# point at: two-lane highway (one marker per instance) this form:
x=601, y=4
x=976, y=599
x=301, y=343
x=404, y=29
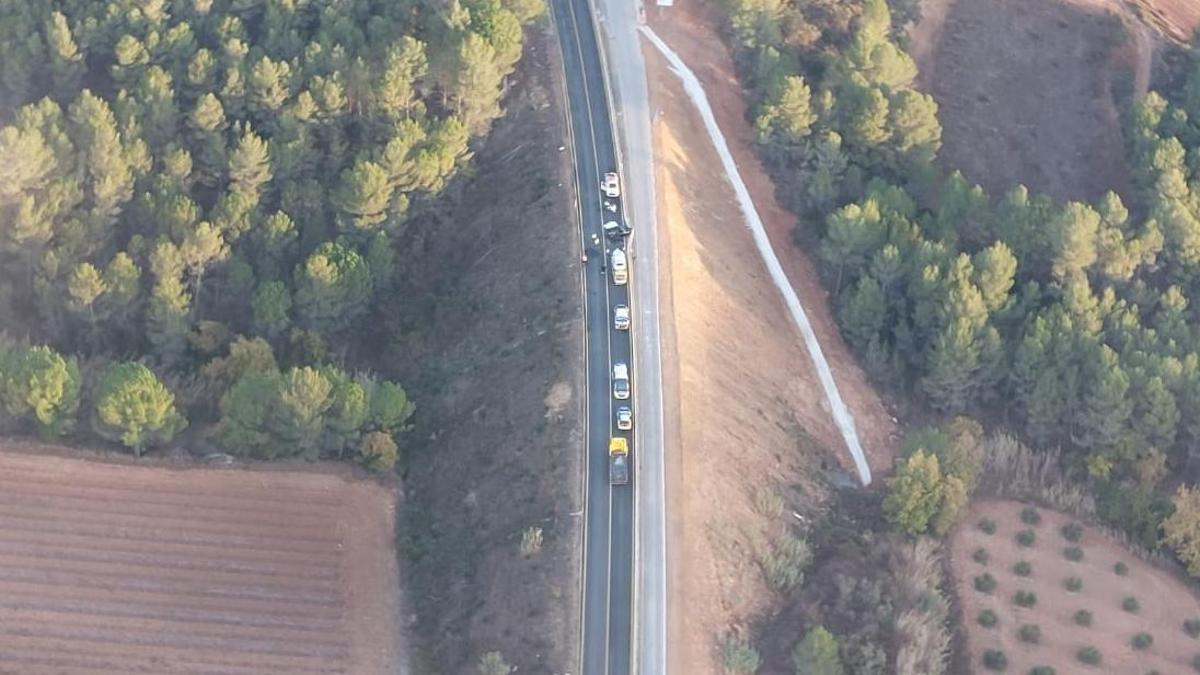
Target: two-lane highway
x=609, y=527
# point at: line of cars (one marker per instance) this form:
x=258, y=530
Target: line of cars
x=616, y=237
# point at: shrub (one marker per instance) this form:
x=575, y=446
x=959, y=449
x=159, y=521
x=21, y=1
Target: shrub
x=1131, y=605
x=1073, y=553
x=994, y=659
x=1073, y=584
x=1030, y=516
x=1142, y=641
x=1026, y=538
x=1025, y=599
x=1072, y=532
x=981, y=556
x=1089, y=655
x=531, y=541
x=738, y=656
x=1042, y=670
x=785, y=562
x=987, y=526
x=1192, y=628
x=1121, y=569
x=1023, y=569
x=1083, y=618
x=1030, y=633
x=987, y=618
x=985, y=583
x=492, y=663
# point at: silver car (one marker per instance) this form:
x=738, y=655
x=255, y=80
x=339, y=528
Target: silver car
x=621, y=317
x=624, y=418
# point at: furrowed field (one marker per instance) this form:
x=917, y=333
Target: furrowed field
x=121, y=568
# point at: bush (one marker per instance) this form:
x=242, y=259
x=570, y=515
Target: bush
x=987, y=526
x=785, y=562
x=985, y=583
x=1083, y=618
x=1089, y=655
x=1030, y=633
x=1026, y=538
x=1121, y=569
x=1072, y=532
x=738, y=656
x=994, y=659
x=981, y=556
x=1192, y=628
x=1042, y=670
x=1023, y=569
x=531, y=541
x=1073, y=553
x=1025, y=599
x=987, y=618
x=492, y=663
x=1030, y=516
x=1142, y=641
x=1131, y=605
x=1073, y=584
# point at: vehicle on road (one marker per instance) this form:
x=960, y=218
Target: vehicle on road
x=621, y=317
x=611, y=185
x=620, y=382
x=618, y=460
x=615, y=230
x=624, y=418
x=620, y=267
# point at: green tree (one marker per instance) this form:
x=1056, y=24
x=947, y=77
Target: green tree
x=863, y=313
x=268, y=88
x=133, y=406
x=272, y=306
x=390, y=407
x=363, y=196
x=817, y=654
x=378, y=452
x=109, y=176
x=995, y=269
x=920, y=498
x=66, y=61
x=916, y=132
x=249, y=167
x=41, y=384
x=1182, y=528
x=787, y=113
x=476, y=88
x=332, y=287
x=1073, y=237
x=395, y=94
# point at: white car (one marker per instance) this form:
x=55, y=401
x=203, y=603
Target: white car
x=621, y=317
x=624, y=418
x=620, y=381
x=611, y=186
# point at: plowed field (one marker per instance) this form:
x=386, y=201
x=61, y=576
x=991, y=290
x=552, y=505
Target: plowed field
x=108, y=568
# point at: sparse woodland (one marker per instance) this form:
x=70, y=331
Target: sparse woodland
x=201, y=203
x=1074, y=325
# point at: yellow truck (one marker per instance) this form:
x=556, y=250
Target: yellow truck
x=618, y=460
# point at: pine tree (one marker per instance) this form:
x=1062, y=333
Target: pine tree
x=363, y=195
x=249, y=167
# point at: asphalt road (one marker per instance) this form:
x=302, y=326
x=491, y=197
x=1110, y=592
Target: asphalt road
x=609, y=510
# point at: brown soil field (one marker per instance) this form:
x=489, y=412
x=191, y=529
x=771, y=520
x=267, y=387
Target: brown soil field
x=1165, y=601
x=486, y=334
x=115, y=567
x=750, y=414
x=1025, y=90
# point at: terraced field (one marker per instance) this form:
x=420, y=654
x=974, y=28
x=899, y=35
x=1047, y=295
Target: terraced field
x=119, y=568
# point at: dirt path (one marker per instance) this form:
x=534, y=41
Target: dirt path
x=750, y=413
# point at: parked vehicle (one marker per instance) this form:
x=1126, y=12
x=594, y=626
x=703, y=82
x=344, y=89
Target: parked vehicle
x=624, y=418
x=621, y=317
x=615, y=230
x=611, y=185
x=618, y=460
x=620, y=381
x=620, y=268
